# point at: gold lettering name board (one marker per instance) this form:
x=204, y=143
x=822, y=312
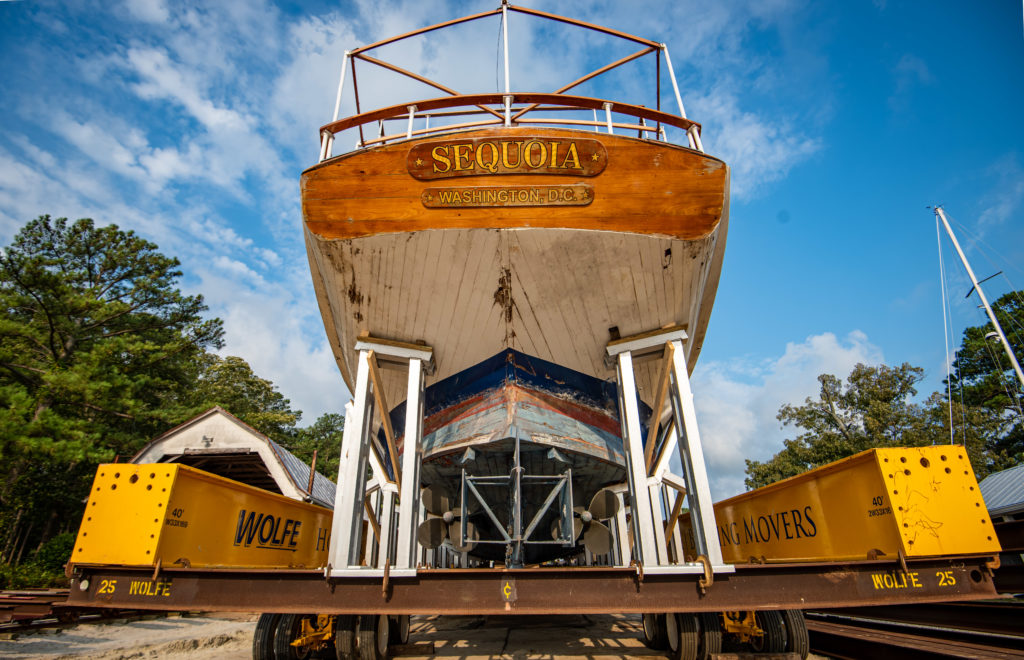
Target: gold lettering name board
x=578, y=194
x=487, y=156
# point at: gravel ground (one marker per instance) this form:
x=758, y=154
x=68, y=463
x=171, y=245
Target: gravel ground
x=229, y=637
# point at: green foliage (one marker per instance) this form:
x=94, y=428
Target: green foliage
x=324, y=436
x=94, y=340
x=872, y=409
x=984, y=380
x=97, y=349
x=231, y=384
x=30, y=576
x=54, y=553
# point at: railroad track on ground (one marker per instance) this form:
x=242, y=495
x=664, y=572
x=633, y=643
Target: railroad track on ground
x=990, y=629
x=32, y=609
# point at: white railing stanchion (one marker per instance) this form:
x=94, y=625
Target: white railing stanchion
x=672, y=77
x=412, y=118
x=694, y=136
x=341, y=86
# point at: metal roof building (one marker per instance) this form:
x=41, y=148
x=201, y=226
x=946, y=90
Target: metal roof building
x=218, y=442
x=1004, y=493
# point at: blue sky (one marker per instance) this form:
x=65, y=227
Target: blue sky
x=191, y=122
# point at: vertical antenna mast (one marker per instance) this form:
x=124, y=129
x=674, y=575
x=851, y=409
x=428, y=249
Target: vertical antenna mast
x=974, y=280
x=504, y=39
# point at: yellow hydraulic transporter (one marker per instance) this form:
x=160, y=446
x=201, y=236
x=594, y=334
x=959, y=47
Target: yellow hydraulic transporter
x=919, y=502
x=172, y=515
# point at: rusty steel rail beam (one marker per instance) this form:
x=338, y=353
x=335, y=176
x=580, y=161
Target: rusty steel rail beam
x=16, y=605
x=535, y=591
x=1002, y=617
x=854, y=639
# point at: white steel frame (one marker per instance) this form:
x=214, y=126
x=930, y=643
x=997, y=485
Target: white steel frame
x=647, y=478
x=357, y=454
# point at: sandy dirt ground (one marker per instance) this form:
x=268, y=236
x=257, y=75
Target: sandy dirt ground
x=229, y=636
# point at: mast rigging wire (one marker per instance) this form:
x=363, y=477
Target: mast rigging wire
x=946, y=330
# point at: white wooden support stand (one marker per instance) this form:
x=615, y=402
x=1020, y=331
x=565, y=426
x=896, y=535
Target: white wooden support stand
x=650, y=544
x=644, y=544
x=347, y=528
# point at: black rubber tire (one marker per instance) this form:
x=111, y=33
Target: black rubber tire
x=710, y=635
x=374, y=636
x=263, y=638
x=797, y=639
x=654, y=632
x=345, y=636
x=289, y=626
x=398, y=631
x=689, y=635
x=774, y=640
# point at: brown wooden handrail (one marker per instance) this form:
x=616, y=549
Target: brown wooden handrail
x=401, y=111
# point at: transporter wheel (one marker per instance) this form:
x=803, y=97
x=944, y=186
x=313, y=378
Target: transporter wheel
x=398, y=632
x=693, y=636
x=289, y=628
x=263, y=638
x=345, y=636
x=654, y=632
x=688, y=636
x=797, y=640
x=710, y=641
x=374, y=634
x=774, y=639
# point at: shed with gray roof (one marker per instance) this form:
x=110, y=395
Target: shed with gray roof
x=218, y=442
x=1004, y=493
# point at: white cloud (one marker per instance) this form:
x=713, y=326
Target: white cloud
x=737, y=401
x=759, y=151
x=1006, y=198
x=163, y=79
x=149, y=11
x=278, y=331
x=909, y=72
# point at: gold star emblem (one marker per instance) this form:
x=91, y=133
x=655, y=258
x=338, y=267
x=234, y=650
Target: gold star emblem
x=428, y=197
x=594, y=157
x=419, y=162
